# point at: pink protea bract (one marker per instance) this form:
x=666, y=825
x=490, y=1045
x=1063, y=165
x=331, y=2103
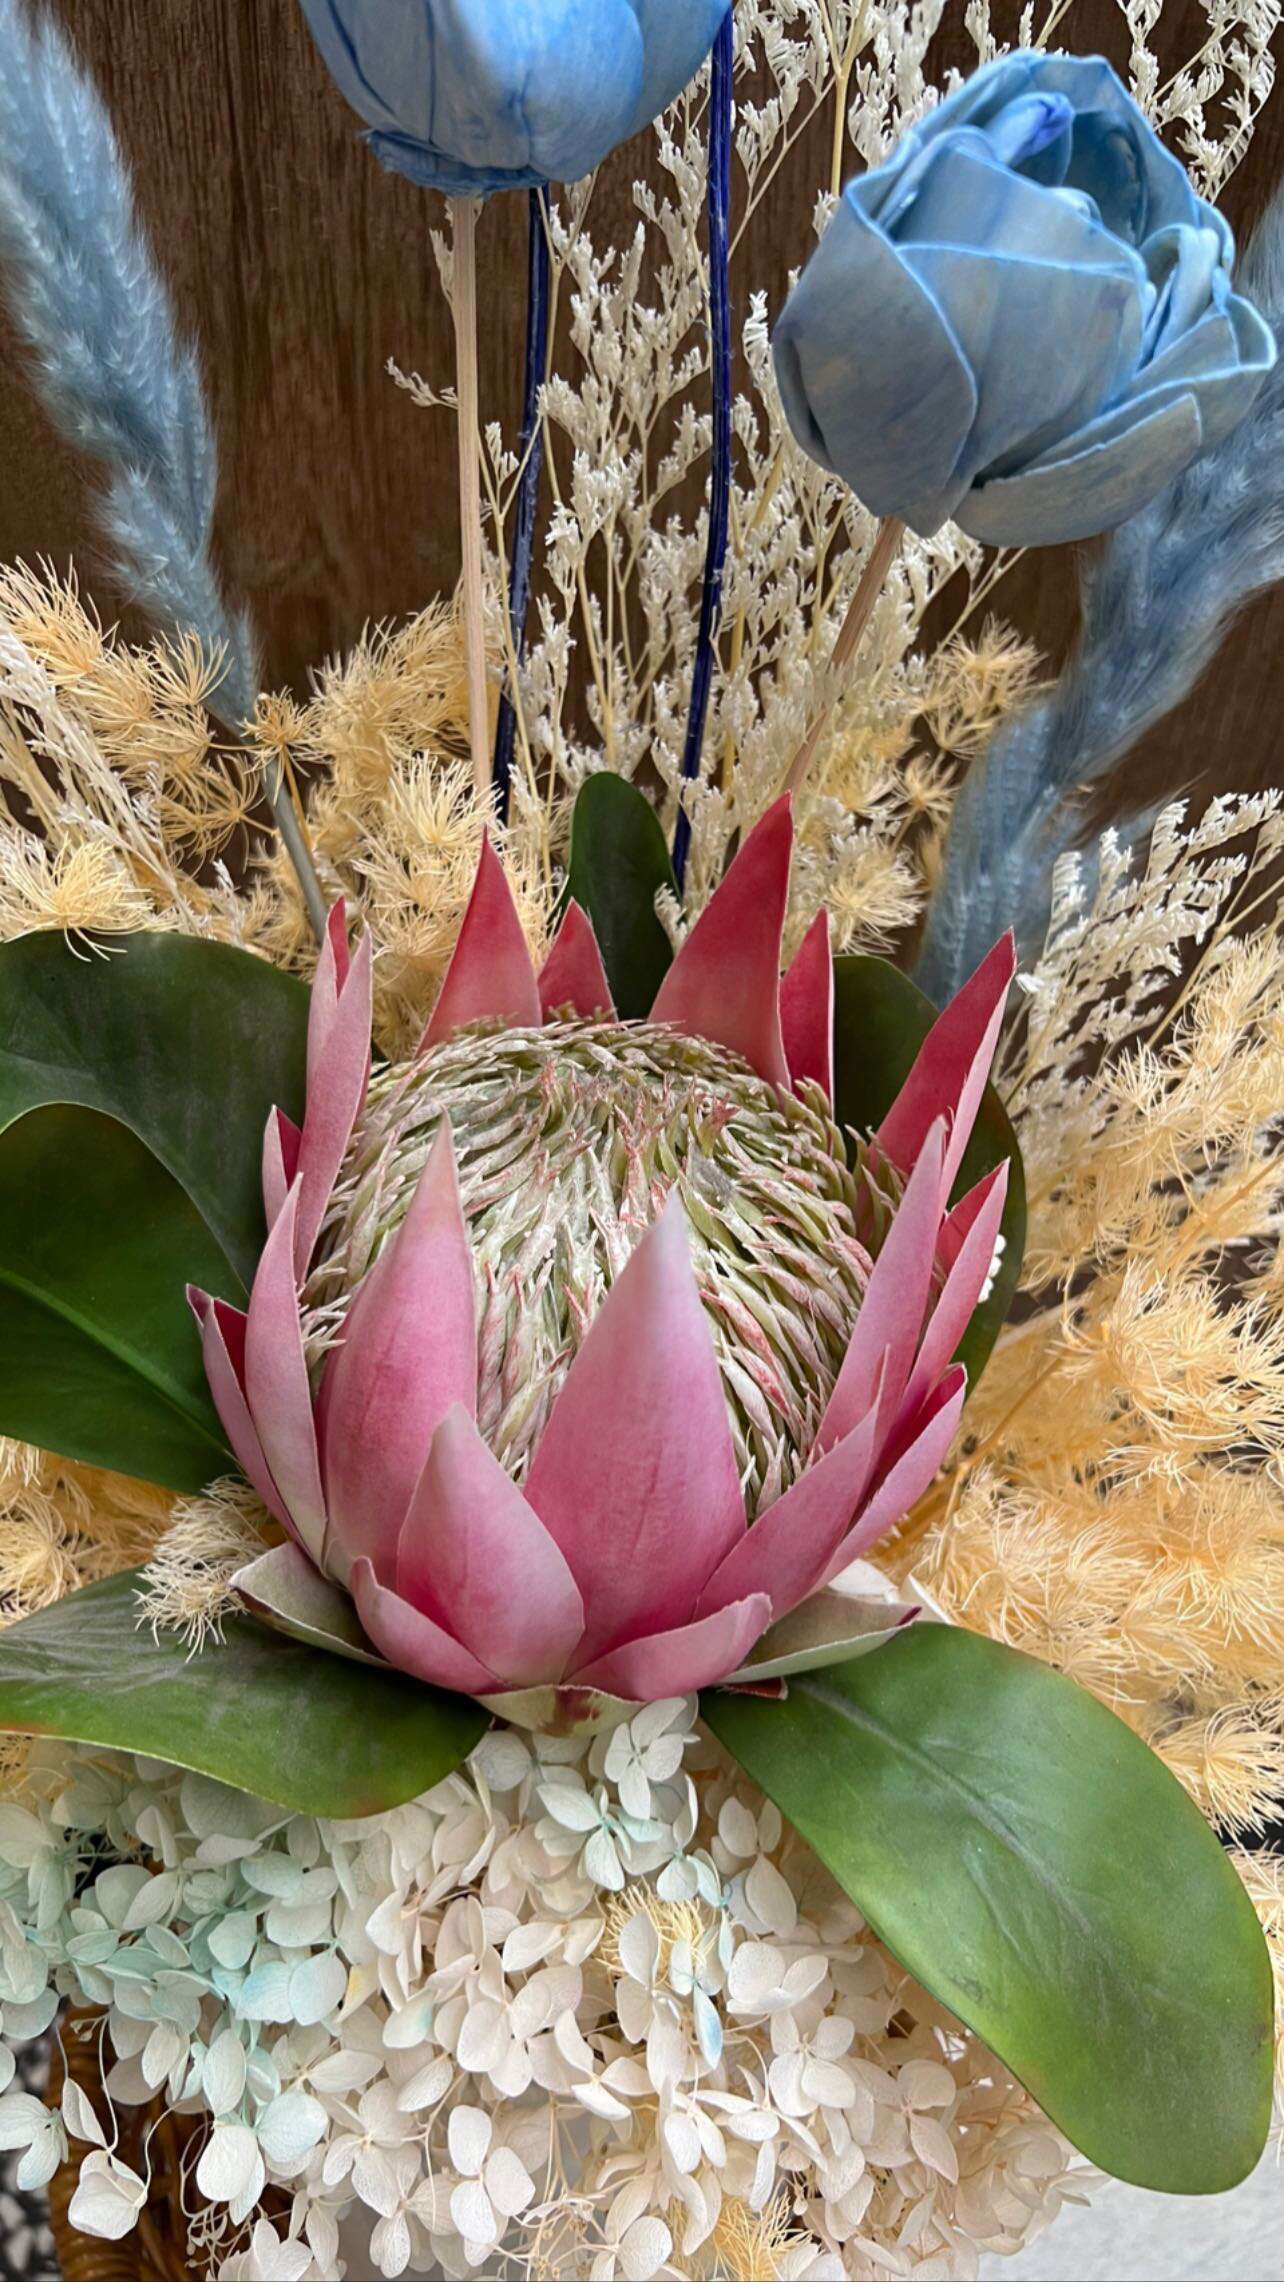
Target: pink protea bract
x=566, y=1359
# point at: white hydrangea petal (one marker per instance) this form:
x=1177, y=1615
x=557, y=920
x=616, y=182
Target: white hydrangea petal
x=933, y=2146
x=635, y=1790
x=571, y=1807
x=468, y=2136
x=78, y=2115
x=644, y=2249
x=22, y=2118
x=289, y=2128
x=107, y=2199
x=771, y=1898
x=471, y=2212
x=508, y=2182
x=639, y=1948
x=223, y=2073
x=602, y=1863
x=926, y=2084
x=231, y=2165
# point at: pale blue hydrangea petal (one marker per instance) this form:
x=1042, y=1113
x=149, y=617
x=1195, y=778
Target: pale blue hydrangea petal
x=708, y=2025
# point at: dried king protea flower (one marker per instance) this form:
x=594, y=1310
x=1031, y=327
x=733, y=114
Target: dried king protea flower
x=566, y=1358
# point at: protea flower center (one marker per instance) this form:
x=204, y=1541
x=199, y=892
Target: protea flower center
x=569, y=1139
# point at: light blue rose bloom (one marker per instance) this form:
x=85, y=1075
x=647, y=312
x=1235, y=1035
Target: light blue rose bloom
x=475, y=96
x=1023, y=319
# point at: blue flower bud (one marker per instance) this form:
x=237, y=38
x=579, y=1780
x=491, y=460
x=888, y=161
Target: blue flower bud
x=1023, y=320
x=475, y=96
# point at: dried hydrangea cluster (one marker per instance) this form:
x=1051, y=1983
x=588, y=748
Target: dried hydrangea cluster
x=588, y=2008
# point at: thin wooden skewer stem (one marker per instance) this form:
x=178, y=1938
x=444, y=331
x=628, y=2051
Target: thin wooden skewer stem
x=463, y=216
x=882, y=555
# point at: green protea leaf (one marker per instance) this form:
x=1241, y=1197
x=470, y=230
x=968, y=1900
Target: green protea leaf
x=618, y=863
x=189, y=1044
x=135, y=1084
x=99, y=1359
x=1030, y=1861
x=287, y=1722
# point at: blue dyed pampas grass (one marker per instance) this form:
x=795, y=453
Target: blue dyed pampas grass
x=1155, y=603
x=112, y=371
x=113, y=374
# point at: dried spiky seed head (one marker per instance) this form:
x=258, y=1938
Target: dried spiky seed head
x=569, y=1141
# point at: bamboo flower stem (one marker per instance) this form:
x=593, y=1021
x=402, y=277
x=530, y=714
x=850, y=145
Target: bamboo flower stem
x=882, y=555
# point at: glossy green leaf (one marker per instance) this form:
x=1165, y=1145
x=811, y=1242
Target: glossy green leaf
x=284, y=1721
x=1037, y=1868
x=880, y=1020
x=99, y=1357
x=189, y=1044
x=619, y=860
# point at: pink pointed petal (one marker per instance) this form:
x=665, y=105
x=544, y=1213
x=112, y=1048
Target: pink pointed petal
x=276, y=1382
x=787, y=1549
x=958, y=1222
x=408, y=1350
x=223, y=1354
x=725, y=982
x=690, y=1656
x=962, y=1288
x=890, y=1323
x=336, y=1092
x=953, y=1065
x=281, y=1143
x=635, y=1476
x=413, y=1642
x=807, y=1009
x=331, y=975
x=491, y=977
x=935, y=1429
x=573, y=974
x=477, y=1559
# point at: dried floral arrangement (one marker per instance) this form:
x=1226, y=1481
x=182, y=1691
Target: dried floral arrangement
x=461, y=1753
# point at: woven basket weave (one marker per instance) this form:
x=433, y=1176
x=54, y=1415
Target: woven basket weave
x=157, y=2251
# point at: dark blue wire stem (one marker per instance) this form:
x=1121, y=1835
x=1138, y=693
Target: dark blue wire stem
x=721, y=121
x=532, y=458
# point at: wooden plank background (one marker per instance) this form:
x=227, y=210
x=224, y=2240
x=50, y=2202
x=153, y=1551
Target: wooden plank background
x=301, y=266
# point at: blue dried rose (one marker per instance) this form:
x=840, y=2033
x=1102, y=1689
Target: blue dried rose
x=1024, y=319
x=475, y=96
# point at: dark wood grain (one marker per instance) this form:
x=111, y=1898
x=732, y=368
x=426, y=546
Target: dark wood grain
x=301, y=267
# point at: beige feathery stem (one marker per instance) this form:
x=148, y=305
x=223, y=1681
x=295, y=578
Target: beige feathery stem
x=289, y=823
x=463, y=217
x=882, y=555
